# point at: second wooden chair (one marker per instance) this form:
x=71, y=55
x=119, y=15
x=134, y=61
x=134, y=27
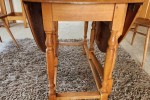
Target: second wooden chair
x=145, y=23
x=2, y=17
x=143, y=20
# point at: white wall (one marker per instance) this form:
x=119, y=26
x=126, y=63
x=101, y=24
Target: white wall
x=16, y=3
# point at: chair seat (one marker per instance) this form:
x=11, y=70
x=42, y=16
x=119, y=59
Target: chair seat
x=2, y=15
x=143, y=22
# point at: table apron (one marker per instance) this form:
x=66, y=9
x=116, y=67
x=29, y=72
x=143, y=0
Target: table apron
x=74, y=12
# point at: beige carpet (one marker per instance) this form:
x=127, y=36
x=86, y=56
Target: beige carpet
x=23, y=74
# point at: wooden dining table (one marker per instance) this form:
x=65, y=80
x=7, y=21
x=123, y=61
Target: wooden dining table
x=43, y=16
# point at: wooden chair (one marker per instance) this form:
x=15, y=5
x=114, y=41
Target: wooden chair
x=2, y=17
x=13, y=16
x=145, y=23
x=143, y=20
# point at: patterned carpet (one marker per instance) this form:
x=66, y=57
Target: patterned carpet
x=23, y=73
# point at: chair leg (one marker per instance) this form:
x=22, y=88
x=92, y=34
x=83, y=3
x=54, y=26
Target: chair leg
x=55, y=37
x=0, y=39
x=134, y=33
x=8, y=30
x=146, y=47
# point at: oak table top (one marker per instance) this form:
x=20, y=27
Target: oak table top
x=87, y=1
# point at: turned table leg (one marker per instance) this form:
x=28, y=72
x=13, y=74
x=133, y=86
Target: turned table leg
x=50, y=64
x=50, y=47
x=117, y=28
x=55, y=44
x=109, y=64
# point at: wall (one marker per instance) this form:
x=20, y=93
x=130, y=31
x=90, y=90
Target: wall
x=17, y=6
x=16, y=3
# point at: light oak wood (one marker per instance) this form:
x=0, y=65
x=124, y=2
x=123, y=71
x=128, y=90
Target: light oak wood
x=144, y=11
x=55, y=45
x=87, y=1
x=71, y=43
x=48, y=27
x=117, y=27
x=84, y=10
x=78, y=95
x=15, y=16
x=148, y=14
x=98, y=65
x=94, y=70
x=92, y=38
x=69, y=12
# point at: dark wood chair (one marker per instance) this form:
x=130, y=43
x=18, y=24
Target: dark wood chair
x=2, y=17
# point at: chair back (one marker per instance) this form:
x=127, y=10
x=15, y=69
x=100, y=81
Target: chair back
x=145, y=12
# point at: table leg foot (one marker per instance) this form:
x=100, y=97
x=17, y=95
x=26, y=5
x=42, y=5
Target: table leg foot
x=110, y=83
x=52, y=97
x=104, y=96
